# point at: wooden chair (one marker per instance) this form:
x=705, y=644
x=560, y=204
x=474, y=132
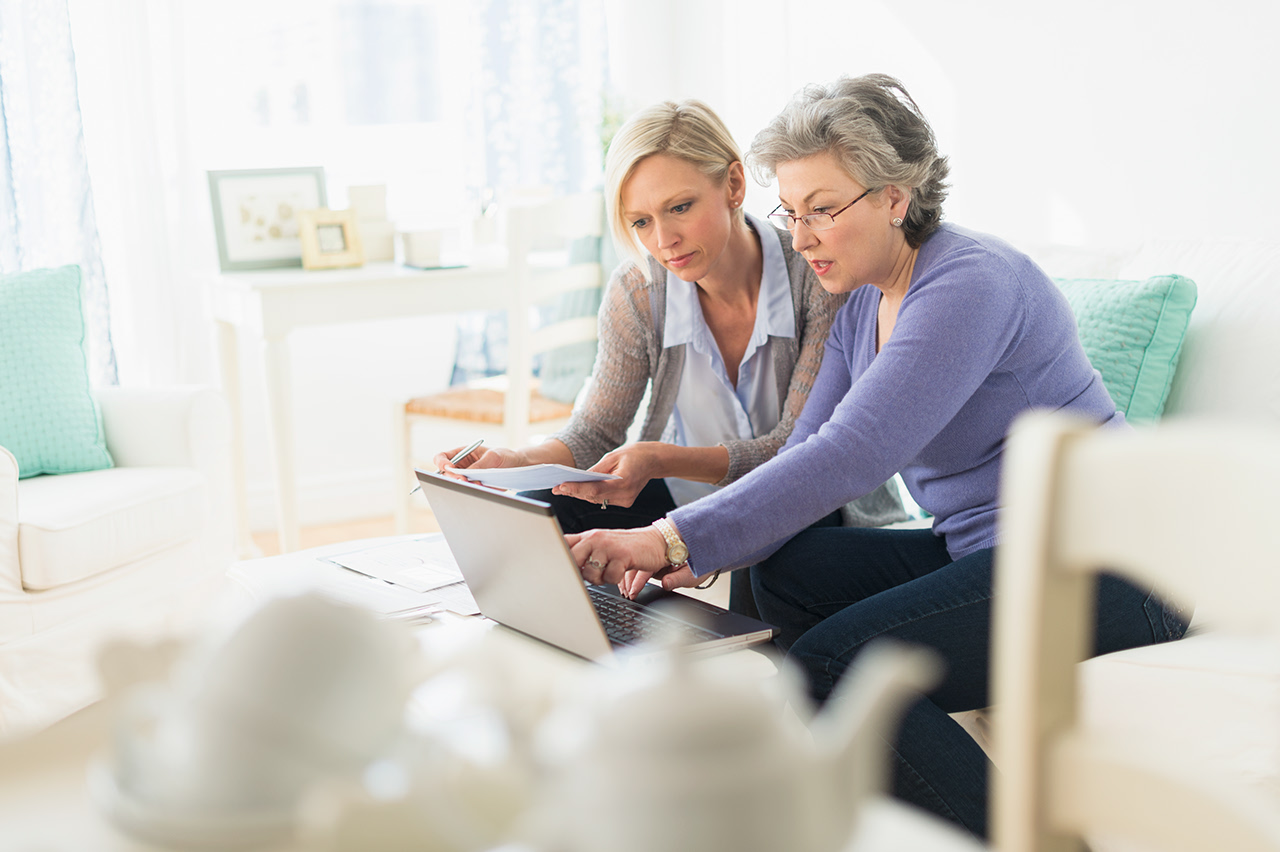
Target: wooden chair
x=509, y=410
x=1078, y=500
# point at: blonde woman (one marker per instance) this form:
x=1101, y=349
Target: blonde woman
x=713, y=308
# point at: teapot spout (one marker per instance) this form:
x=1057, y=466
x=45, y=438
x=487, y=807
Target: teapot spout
x=860, y=718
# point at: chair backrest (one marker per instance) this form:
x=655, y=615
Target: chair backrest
x=540, y=242
x=1076, y=501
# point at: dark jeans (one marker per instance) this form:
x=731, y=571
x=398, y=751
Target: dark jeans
x=832, y=590
x=575, y=516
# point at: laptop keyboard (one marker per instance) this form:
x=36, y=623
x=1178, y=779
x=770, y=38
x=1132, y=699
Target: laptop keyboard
x=629, y=623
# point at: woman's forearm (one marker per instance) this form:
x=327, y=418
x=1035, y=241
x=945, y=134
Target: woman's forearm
x=550, y=451
x=699, y=464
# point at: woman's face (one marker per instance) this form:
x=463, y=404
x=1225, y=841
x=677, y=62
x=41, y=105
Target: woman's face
x=682, y=216
x=863, y=246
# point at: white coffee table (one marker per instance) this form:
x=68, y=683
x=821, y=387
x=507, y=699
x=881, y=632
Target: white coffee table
x=45, y=802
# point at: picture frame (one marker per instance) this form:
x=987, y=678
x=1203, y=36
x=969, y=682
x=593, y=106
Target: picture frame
x=330, y=239
x=255, y=214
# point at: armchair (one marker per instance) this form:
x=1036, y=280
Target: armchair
x=128, y=550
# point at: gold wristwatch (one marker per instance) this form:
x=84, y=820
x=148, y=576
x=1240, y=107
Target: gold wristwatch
x=677, y=552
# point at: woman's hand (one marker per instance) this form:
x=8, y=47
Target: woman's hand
x=635, y=463
x=481, y=457
x=627, y=558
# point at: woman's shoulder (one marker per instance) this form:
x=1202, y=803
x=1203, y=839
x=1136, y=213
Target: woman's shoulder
x=631, y=276
x=632, y=286
x=954, y=244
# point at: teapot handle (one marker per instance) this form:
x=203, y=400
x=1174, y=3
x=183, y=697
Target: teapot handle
x=863, y=713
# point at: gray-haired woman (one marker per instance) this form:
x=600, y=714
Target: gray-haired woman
x=948, y=335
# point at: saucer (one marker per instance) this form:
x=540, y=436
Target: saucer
x=191, y=829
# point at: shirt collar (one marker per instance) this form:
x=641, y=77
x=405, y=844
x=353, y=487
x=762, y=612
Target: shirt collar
x=775, y=311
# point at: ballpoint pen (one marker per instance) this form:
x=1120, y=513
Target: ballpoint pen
x=462, y=455
x=457, y=458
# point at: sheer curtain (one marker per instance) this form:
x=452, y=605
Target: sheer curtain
x=46, y=205
x=537, y=110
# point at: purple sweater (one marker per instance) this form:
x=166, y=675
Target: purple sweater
x=982, y=335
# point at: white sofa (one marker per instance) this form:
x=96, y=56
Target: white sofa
x=1218, y=697
x=127, y=551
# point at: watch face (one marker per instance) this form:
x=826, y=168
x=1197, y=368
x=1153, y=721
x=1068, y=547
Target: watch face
x=677, y=553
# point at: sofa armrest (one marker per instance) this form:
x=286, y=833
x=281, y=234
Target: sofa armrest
x=174, y=427
x=10, y=575
x=169, y=427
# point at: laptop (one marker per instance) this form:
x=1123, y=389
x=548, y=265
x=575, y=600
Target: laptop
x=518, y=567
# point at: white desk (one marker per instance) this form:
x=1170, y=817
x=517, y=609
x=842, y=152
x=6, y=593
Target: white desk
x=45, y=800
x=266, y=306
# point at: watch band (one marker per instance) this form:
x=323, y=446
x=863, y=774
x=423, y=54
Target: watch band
x=677, y=550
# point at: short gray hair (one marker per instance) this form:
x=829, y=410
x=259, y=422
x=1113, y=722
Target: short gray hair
x=875, y=131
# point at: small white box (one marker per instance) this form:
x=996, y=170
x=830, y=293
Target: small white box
x=369, y=202
x=421, y=248
x=379, y=239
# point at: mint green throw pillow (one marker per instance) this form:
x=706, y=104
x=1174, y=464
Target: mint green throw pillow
x=1132, y=332
x=48, y=419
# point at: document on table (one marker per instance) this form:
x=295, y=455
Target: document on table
x=421, y=570
x=531, y=477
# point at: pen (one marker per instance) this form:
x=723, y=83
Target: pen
x=462, y=455
x=459, y=457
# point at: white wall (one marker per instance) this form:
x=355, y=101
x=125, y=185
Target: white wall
x=1093, y=124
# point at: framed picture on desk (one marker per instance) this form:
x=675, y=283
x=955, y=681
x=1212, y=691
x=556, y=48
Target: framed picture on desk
x=255, y=214
x=330, y=239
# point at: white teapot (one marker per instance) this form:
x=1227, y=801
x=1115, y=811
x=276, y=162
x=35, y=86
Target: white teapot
x=684, y=757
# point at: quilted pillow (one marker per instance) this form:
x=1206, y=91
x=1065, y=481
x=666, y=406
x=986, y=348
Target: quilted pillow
x=48, y=419
x=1132, y=332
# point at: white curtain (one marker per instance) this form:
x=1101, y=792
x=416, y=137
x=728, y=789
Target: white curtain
x=46, y=204
x=129, y=56
x=537, y=115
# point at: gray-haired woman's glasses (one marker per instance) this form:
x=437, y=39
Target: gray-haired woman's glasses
x=812, y=221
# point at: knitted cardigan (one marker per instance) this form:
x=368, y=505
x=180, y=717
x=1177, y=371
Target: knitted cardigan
x=632, y=319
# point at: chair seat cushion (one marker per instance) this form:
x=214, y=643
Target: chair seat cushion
x=77, y=525
x=479, y=403
x=1215, y=696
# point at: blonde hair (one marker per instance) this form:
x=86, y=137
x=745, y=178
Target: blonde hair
x=689, y=130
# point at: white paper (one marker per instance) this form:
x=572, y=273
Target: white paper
x=419, y=565
x=418, y=577
x=532, y=477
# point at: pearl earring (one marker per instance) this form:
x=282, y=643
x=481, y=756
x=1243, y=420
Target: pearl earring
x=897, y=222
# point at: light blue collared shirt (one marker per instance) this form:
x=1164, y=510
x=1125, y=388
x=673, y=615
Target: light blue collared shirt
x=709, y=409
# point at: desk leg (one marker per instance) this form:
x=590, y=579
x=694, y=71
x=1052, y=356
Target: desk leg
x=229, y=357
x=275, y=355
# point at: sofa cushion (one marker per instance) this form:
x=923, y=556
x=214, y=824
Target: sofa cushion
x=1132, y=332
x=48, y=419
x=1214, y=697
x=1230, y=364
x=83, y=524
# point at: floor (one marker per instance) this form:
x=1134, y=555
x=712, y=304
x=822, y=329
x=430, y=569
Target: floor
x=420, y=521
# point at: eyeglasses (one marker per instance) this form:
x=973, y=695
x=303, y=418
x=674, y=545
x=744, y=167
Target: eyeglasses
x=812, y=221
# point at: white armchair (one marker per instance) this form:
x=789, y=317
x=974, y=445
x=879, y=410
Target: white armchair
x=127, y=551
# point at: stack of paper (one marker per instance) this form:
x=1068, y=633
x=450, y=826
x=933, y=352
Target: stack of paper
x=532, y=477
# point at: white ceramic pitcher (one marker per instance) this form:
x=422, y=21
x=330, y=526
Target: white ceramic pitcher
x=690, y=759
